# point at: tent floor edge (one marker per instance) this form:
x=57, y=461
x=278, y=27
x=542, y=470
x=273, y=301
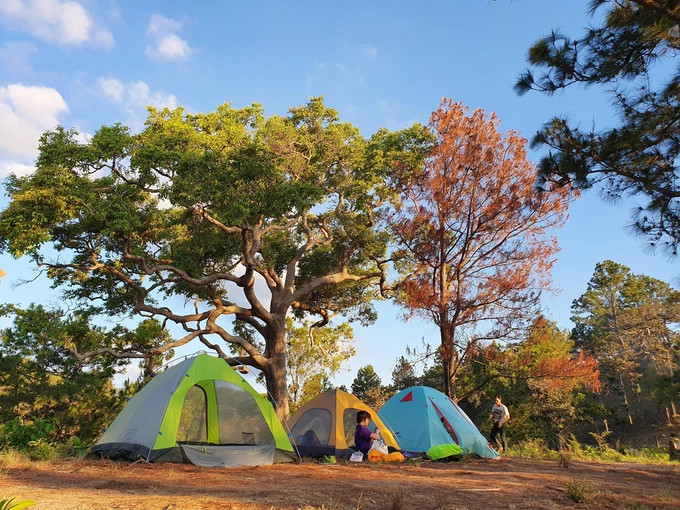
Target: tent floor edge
x=119, y=451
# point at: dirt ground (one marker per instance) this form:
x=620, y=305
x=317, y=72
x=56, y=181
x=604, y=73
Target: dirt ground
x=508, y=483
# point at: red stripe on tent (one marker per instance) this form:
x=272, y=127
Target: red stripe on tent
x=408, y=398
x=453, y=431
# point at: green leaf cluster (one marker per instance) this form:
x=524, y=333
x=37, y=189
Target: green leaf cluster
x=629, y=322
x=41, y=380
x=631, y=54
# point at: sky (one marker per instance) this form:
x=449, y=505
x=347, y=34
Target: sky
x=87, y=63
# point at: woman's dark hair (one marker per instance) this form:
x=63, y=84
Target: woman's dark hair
x=362, y=415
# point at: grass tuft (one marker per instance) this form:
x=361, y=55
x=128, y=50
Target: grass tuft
x=580, y=491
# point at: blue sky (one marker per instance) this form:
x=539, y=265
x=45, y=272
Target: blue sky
x=83, y=64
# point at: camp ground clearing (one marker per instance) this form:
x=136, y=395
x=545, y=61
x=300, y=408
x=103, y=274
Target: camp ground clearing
x=509, y=483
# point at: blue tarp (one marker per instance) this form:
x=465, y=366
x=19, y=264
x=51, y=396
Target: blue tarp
x=420, y=416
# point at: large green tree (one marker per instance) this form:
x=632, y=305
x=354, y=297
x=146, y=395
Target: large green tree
x=628, y=323
x=632, y=55
x=236, y=214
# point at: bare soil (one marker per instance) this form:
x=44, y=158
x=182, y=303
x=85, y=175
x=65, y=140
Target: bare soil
x=508, y=483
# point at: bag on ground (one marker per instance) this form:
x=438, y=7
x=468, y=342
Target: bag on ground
x=445, y=452
x=394, y=457
x=375, y=455
x=379, y=446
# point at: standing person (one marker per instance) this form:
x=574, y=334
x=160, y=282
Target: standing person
x=363, y=435
x=499, y=415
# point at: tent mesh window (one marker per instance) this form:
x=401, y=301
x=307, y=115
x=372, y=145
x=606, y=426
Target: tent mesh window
x=240, y=419
x=193, y=426
x=313, y=428
x=349, y=421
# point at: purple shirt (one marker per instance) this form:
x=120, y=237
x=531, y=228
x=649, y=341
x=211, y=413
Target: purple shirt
x=362, y=438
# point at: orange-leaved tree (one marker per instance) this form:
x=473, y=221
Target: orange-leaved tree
x=475, y=237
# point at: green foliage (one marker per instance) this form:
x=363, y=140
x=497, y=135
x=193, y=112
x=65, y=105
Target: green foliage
x=631, y=54
x=629, y=322
x=365, y=380
x=14, y=504
x=315, y=355
x=35, y=438
x=41, y=378
x=19, y=434
x=79, y=447
x=532, y=449
x=403, y=375
x=368, y=388
x=41, y=450
x=198, y=204
x=542, y=379
x=580, y=491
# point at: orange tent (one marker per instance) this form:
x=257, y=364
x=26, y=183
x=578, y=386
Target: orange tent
x=326, y=425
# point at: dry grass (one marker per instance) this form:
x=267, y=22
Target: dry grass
x=520, y=484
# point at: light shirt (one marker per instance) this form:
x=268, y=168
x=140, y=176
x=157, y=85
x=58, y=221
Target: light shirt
x=500, y=413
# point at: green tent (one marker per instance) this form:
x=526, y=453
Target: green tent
x=199, y=411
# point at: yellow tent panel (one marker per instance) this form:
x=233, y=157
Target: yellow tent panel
x=326, y=425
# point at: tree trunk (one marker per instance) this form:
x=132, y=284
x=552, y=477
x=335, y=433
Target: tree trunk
x=275, y=373
x=626, y=405
x=277, y=391
x=674, y=449
x=449, y=359
x=449, y=378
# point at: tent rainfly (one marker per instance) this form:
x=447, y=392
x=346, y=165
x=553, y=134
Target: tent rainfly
x=198, y=411
x=326, y=425
x=423, y=417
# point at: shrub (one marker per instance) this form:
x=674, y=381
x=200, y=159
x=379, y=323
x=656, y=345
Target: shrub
x=580, y=491
x=533, y=449
x=40, y=450
x=15, y=434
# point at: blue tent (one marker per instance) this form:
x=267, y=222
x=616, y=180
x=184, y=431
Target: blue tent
x=420, y=417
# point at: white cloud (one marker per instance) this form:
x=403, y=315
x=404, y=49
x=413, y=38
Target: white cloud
x=140, y=95
x=135, y=95
x=26, y=112
x=63, y=22
x=160, y=26
x=112, y=88
x=15, y=168
x=168, y=45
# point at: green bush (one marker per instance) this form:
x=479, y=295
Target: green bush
x=532, y=449
x=33, y=438
x=15, y=434
x=41, y=450
x=74, y=447
x=580, y=491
